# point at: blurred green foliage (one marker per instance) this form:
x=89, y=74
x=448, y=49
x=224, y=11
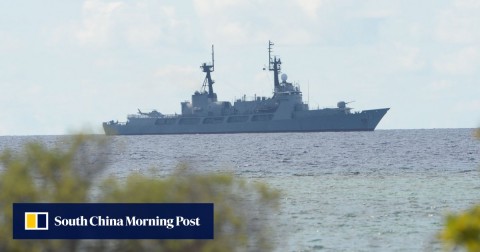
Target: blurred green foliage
x=67, y=173
x=462, y=230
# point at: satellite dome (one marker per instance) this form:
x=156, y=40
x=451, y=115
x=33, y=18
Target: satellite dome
x=284, y=77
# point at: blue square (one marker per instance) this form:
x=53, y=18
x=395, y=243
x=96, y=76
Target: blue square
x=41, y=221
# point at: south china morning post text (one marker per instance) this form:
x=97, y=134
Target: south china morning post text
x=106, y=221
x=113, y=221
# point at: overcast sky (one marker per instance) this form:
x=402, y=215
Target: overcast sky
x=67, y=65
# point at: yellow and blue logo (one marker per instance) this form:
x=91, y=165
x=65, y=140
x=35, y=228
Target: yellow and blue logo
x=36, y=220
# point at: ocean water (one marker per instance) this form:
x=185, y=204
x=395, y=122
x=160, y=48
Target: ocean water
x=387, y=190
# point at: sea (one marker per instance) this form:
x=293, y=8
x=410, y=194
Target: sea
x=386, y=190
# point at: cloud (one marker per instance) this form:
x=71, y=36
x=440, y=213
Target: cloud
x=8, y=42
x=459, y=24
x=409, y=57
x=179, y=77
x=471, y=105
x=254, y=22
x=440, y=85
x=311, y=7
x=150, y=24
x=467, y=4
x=300, y=22
x=213, y=6
x=465, y=61
x=140, y=24
x=98, y=21
x=229, y=21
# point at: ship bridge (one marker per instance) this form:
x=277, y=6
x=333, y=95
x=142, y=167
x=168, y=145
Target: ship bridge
x=285, y=87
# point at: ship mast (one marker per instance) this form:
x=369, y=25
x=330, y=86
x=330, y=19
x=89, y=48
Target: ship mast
x=208, y=78
x=274, y=65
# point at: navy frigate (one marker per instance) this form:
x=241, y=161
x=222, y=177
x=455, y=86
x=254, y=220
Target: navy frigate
x=285, y=111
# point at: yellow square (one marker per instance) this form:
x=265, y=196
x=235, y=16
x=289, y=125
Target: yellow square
x=31, y=220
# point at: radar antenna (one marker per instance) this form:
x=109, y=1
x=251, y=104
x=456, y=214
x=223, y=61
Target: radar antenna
x=207, y=68
x=274, y=65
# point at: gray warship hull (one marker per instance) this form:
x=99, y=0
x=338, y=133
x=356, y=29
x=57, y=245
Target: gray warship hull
x=285, y=111
x=312, y=121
